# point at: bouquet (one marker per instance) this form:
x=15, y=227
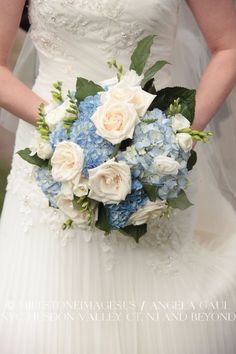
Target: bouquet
x=117, y=155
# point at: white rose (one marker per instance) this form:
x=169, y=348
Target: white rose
x=65, y=204
x=67, y=161
x=185, y=141
x=134, y=95
x=179, y=122
x=164, y=165
x=115, y=121
x=56, y=115
x=80, y=188
x=131, y=78
x=110, y=182
x=150, y=211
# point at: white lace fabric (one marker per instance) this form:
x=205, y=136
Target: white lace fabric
x=81, y=36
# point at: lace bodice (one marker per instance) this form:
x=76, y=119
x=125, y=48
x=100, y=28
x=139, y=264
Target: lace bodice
x=78, y=37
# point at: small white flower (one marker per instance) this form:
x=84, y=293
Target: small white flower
x=134, y=95
x=80, y=187
x=56, y=115
x=44, y=149
x=164, y=165
x=65, y=204
x=110, y=182
x=67, y=161
x=150, y=211
x=41, y=147
x=185, y=141
x=115, y=121
x=179, y=122
x=131, y=78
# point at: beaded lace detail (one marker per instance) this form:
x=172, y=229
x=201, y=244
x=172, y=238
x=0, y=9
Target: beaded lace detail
x=90, y=19
x=114, y=25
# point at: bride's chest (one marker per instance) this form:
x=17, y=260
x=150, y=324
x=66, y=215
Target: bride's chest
x=62, y=27
x=78, y=15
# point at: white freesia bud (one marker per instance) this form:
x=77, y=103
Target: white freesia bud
x=43, y=148
x=150, y=211
x=164, y=165
x=185, y=141
x=134, y=95
x=115, y=121
x=67, y=161
x=65, y=204
x=80, y=188
x=110, y=182
x=56, y=115
x=179, y=122
x=131, y=78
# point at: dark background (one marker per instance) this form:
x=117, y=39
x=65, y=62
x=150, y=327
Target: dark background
x=24, y=20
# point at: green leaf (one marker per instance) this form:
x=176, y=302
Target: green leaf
x=103, y=222
x=33, y=160
x=149, y=74
x=85, y=88
x=149, y=87
x=181, y=202
x=167, y=96
x=77, y=203
x=151, y=191
x=192, y=160
x=115, y=150
x=141, y=54
x=149, y=120
x=135, y=231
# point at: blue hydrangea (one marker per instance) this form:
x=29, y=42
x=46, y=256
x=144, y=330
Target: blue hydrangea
x=154, y=136
x=119, y=214
x=170, y=186
x=57, y=136
x=83, y=132
x=48, y=185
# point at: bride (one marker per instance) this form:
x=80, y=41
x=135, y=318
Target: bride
x=84, y=293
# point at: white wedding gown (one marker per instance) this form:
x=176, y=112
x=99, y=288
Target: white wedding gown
x=85, y=293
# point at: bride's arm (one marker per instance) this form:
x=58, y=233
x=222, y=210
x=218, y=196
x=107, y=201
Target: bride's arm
x=14, y=95
x=217, y=21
